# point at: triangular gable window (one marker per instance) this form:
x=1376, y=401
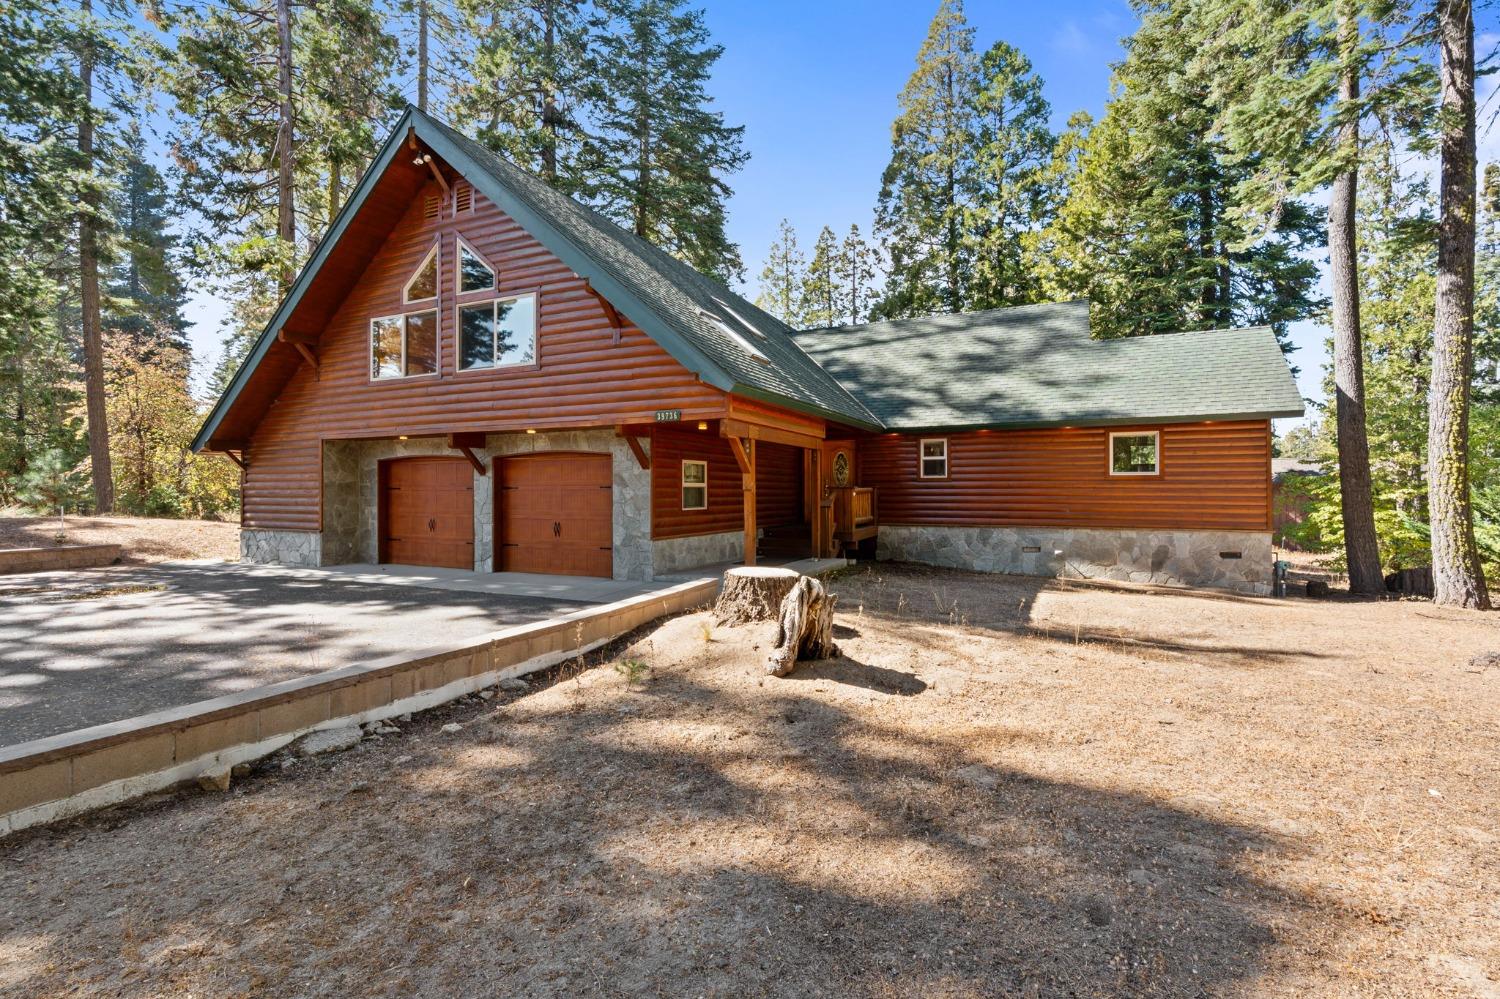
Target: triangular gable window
x=424, y=283
x=474, y=274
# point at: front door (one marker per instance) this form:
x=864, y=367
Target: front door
x=427, y=512
x=555, y=514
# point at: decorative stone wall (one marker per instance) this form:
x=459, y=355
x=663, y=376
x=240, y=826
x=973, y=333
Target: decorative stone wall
x=351, y=492
x=303, y=548
x=1170, y=558
x=676, y=554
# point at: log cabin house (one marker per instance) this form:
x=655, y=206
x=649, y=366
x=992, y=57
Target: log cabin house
x=476, y=371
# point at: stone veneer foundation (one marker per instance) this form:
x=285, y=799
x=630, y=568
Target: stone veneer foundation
x=1170, y=558
x=301, y=548
x=675, y=554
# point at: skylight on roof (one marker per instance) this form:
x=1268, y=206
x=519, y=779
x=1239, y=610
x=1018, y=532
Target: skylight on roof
x=741, y=319
x=744, y=344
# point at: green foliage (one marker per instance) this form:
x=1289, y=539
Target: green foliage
x=820, y=291
x=782, y=278
x=522, y=84
x=658, y=161
x=1152, y=230
x=52, y=483
x=635, y=671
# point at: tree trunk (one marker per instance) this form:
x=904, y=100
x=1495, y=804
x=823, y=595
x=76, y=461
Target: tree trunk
x=422, y=55
x=1457, y=578
x=286, y=221
x=805, y=628
x=1361, y=549
x=549, y=96
x=88, y=284
x=753, y=594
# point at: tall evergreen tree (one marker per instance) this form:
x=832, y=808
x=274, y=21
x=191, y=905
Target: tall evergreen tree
x=1150, y=231
x=525, y=89
x=1457, y=576
x=1297, y=79
x=856, y=269
x=929, y=187
x=782, y=277
x=821, y=293
x=1014, y=151
x=658, y=163
x=145, y=289
x=39, y=98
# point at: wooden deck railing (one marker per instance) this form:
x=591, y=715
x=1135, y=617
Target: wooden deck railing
x=855, y=513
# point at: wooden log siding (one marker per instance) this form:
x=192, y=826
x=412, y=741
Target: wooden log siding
x=778, y=484
x=1214, y=476
x=583, y=377
x=670, y=446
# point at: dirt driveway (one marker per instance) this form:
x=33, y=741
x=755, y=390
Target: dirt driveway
x=1002, y=788
x=84, y=648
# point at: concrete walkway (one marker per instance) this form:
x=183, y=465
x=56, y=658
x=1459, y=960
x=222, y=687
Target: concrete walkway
x=92, y=646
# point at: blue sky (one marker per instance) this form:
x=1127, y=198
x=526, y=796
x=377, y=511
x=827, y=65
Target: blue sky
x=815, y=83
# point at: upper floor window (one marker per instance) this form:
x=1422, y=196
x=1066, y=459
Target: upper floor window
x=424, y=282
x=401, y=346
x=933, y=461
x=497, y=333
x=474, y=274
x=1134, y=453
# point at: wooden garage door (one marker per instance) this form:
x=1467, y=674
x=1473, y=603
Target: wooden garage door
x=554, y=514
x=427, y=512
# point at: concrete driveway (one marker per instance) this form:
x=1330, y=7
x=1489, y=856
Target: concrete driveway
x=84, y=648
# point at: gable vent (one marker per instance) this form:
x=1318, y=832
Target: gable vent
x=463, y=198
x=432, y=207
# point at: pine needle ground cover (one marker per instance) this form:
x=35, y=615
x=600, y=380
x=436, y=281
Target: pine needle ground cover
x=1003, y=787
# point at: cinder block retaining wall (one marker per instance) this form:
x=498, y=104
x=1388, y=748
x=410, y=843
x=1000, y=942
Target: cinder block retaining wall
x=1231, y=560
x=65, y=775
x=62, y=557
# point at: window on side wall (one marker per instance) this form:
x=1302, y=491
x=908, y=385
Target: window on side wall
x=403, y=346
x=1135, y=453
x=695, y=485
x=933, y=461
x=497, y=334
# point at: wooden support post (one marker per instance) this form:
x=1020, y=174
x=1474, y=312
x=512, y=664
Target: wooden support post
x=634, y=440
x=465, y=443
x=749, y=480
x=610, y=313
x=815, y=513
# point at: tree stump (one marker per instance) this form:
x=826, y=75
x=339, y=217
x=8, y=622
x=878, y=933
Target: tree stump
x=753, y=593
x=805, y=628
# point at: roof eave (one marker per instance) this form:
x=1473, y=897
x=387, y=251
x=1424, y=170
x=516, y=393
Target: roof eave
x=304, y=280
x=1091, y=421
x=810, y=409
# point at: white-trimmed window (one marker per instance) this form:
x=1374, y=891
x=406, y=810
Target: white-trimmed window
x=932, y=461
x=695, y=485
x=403, y=346
x=473, y=271
x=499, y=333
x=424, y=280
x=1135, y=453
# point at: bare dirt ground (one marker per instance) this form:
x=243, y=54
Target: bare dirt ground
x=142, y=539
x=1003, y=787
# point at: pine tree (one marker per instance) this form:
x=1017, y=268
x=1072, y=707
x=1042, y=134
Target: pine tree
x=782, y=278
x=856, y=269
x=821, y=293
x=1014, y=152
x=524, y=89
x=145, y=290
x=929, y=187
x=1457, y=576
x=658, y=163
x=1150, y=231
x=1296, y=80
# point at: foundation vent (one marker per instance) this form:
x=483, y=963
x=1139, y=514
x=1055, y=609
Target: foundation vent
x=1229, y=554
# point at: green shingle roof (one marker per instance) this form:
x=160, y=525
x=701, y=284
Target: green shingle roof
x=1036, y=365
